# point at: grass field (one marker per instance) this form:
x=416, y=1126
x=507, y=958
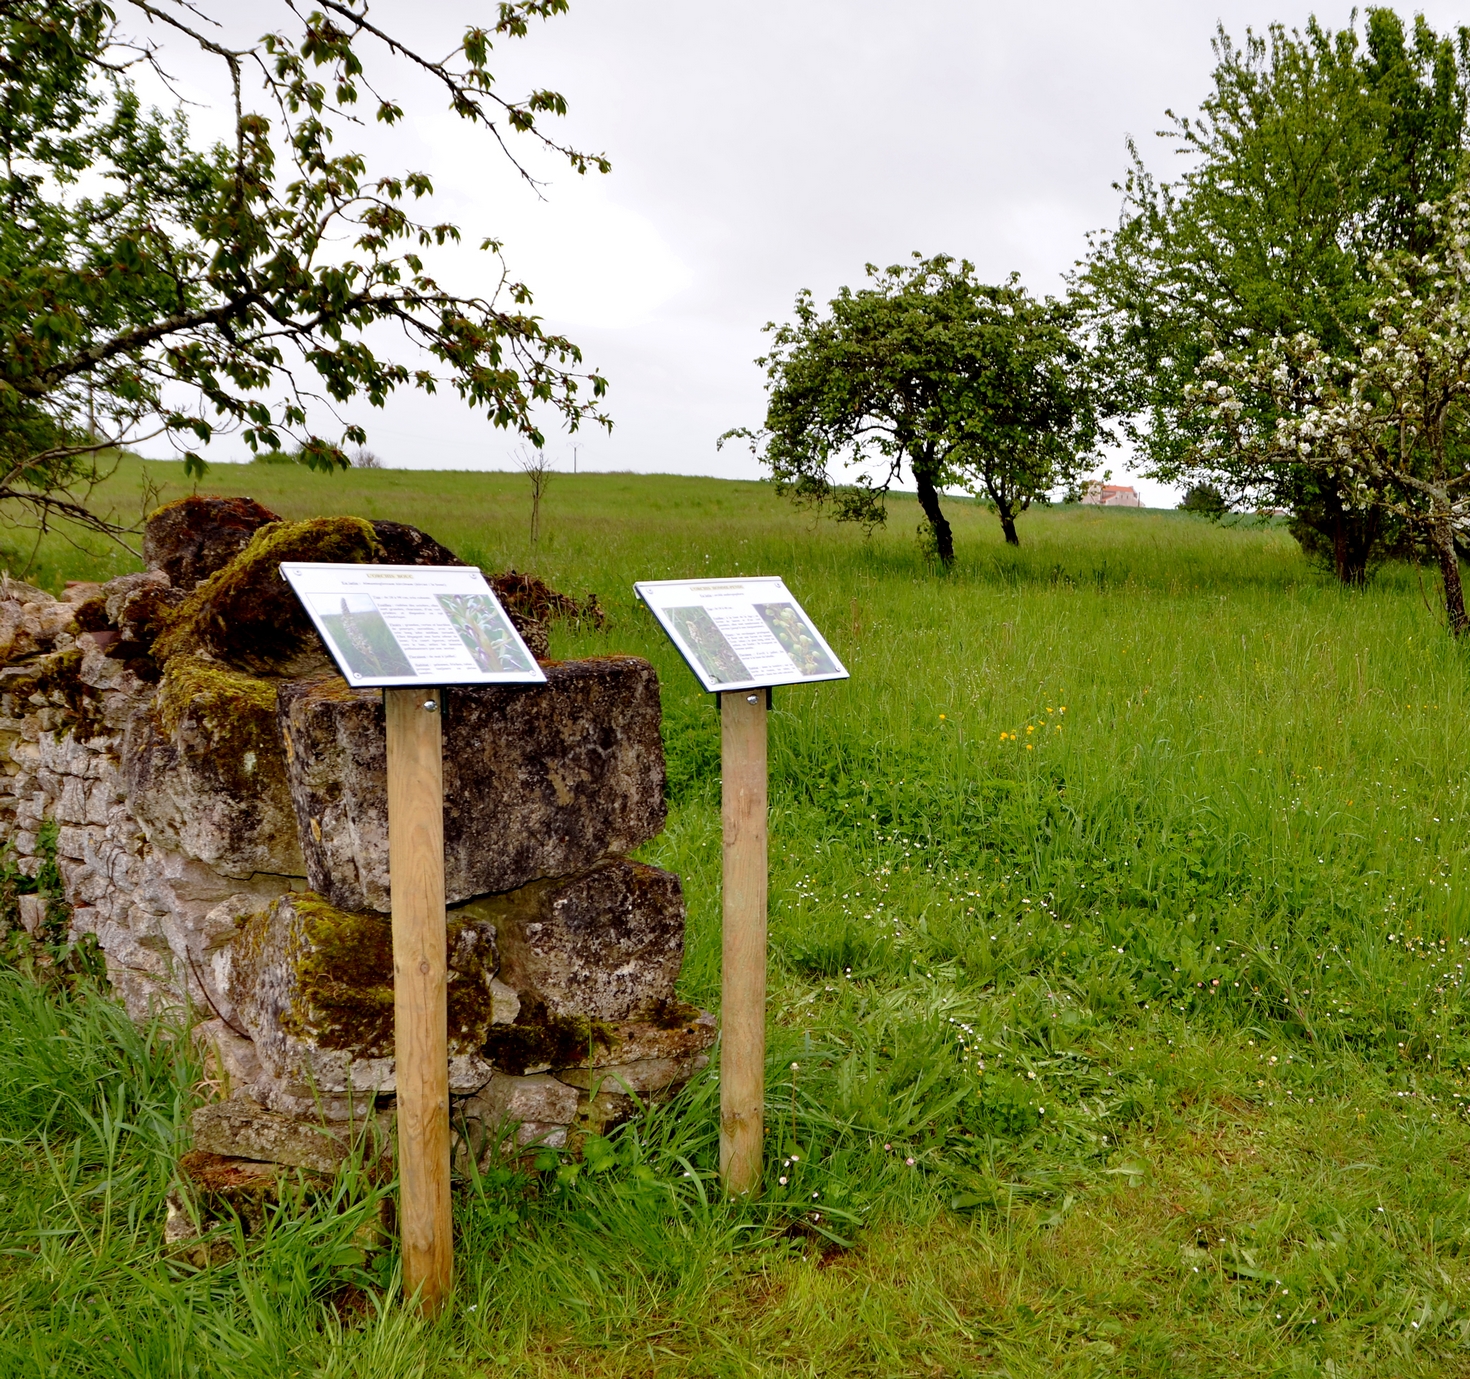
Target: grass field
x=1119, y=926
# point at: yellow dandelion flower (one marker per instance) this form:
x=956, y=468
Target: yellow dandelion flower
x=1028, y=746
x=1031, y=727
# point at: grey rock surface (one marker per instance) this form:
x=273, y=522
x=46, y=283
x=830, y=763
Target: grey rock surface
x=606, y=943
x=243, y=1130
x=206, y=773
x=539, y=781
x=539, y=1098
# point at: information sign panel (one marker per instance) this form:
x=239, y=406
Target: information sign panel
x=741, y=633
x=391, y=625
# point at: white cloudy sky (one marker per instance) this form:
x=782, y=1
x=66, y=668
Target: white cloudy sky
x=767, y=145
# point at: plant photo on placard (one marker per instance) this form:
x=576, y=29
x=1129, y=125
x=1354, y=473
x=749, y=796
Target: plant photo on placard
x=484, y=631
x=361, y=635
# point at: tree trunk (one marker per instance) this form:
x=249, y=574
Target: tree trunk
x=1449, y=568
x=938, y=523
x=1008, y=526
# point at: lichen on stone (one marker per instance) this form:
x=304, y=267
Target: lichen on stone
x=213, y=693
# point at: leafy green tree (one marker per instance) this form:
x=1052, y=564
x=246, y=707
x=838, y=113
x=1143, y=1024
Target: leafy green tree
x=152, y=287
x=1384, y=419
x=964, y=383
x=1205, y=499
x=1313, y=152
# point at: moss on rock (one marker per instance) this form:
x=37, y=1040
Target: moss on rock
x=344, y=979
x=206, y=770
x=222, y=698
x=57, y=678
x=537, y=1041
x=247, y=616
x=327, y=974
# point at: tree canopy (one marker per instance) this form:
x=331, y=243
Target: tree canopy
x=1314, y=152
x=964, y=383
x=1383, y=419
x=150, y=286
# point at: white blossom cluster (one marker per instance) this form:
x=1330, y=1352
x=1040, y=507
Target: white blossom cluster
x=1387, y=416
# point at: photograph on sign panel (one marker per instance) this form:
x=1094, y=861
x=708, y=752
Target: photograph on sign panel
x=708, y=644
x=484, y=631
x=361, y=638
x=797, y=638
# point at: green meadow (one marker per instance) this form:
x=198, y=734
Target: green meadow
x=1117, y=1026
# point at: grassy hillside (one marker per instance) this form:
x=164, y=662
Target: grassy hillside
x=1118, y=936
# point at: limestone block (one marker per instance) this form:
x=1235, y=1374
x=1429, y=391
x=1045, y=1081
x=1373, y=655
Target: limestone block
x=30, y=620
x=192, y=538
x=229, y=1058
x=171, y=899
x=71, y=842
x=145, y=996
x=32, y=912
x=539, y=781
x=306, y=1101
x=206, y=771
x=535, y=1100
x=73, y=874
x=313, y=986
x=241, y=1129
x=71, y=803
x=118, y=592
x=101, y=796
x=605, y=944
x=642, y=1077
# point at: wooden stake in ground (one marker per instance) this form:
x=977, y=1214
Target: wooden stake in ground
x=420, y=1011
x=743, y=987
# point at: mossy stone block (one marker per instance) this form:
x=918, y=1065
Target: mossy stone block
x=247, y=616
x=313, y=986
x=206, y=771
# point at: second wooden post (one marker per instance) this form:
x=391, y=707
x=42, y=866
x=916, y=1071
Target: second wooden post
x=420, y=1016
x=743, y=990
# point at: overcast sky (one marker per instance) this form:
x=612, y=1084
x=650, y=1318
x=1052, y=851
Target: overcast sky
x=759, y=147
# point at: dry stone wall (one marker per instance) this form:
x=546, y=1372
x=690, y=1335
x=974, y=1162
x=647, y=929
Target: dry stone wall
x=217, y=798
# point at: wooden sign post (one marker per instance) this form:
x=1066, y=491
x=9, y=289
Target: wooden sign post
x=743, y=977
x=409, y=629
x=741, y=636
x=420, y=1003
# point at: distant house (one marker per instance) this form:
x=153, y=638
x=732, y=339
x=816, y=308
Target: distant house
x=1111, y=496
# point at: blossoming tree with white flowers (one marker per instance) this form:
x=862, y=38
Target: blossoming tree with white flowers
x=1386, y=418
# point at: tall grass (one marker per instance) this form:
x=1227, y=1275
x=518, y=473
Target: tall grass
x=1147, y=820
